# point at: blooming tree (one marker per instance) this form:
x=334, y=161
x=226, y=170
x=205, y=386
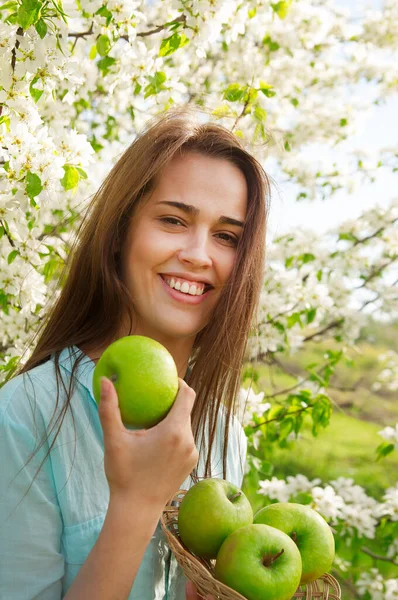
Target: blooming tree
x=78, y=80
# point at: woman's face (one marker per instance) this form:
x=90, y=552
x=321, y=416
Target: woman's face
x=184, y=235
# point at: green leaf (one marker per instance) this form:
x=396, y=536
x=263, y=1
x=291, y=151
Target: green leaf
x=384, y=449
x=82, y=174
x=103, y=45
x=343, y=122
x=234, y=92
x=286, y=426
x=272, y=46
x=12, y=256
x=267, y=89
x=289, y=261
x=9, y=6
x=106, y=13
x=41, y=28
x=321, y=413
x=33, y=185
x=93, y=52
x=306, y=258
x=155, y=84
x=282, y=8
x=70, y=178
x=252, y=12
x=279, y=326
x=276, y=413
x=172, y=43
x=29, y=13
x=350, y=237
x=294, y=101
x=95, y=145
x=12, y=18
x=293, y=319
x=36, y=94
x=105, y=63
x=52, y=268
x=260, y=114
x=302, y=498
x=311, y=315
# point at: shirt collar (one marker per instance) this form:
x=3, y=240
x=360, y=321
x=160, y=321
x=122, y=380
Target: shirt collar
x=85, y=369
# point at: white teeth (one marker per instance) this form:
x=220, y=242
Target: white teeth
x=185, y=288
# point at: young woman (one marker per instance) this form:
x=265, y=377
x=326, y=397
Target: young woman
x=172, y=247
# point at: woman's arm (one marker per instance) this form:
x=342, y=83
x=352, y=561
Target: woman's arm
x=144, y=469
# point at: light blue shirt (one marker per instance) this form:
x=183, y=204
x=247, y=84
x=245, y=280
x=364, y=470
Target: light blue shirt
x=46, y=536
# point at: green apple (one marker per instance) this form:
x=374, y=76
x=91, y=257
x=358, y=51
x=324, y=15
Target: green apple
x=308, y=529
x=259, y=562
x=209, y=512
x=145, y=378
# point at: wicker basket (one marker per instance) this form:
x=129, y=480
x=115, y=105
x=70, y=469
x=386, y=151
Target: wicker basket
x=201, y=571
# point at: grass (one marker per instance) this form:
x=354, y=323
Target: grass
x=346, y=448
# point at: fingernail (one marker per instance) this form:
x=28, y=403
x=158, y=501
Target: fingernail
x=105, y=387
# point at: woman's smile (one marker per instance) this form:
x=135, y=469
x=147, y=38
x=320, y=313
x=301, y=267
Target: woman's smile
x=184, y=297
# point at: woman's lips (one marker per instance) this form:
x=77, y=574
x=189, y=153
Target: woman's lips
x=181, y=297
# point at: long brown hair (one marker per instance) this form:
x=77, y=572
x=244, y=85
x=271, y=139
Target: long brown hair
x=93, y=298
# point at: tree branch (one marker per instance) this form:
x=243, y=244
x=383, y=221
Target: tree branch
x=331, y=325
x=373, y=235
x=376, y=272
x=14, y=50
x=13, y=59
x=181, y=19
x=296, y=412
x=242, y=113
x=7, y=234
x=81, y=34
x=378, y=556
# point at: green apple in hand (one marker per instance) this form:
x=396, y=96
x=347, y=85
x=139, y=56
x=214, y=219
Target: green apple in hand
x=209, y=512
x=259, y=562
x=308, y=529
x=145, y=378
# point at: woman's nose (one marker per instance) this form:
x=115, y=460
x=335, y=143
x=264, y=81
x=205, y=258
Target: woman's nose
x=195, y=251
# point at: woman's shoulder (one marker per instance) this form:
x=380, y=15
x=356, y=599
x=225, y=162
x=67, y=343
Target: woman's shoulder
x=35, y=385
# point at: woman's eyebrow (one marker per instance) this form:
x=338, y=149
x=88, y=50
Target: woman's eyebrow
x=194, y=211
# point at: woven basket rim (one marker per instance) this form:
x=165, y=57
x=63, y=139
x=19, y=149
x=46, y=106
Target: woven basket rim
x=324, y=588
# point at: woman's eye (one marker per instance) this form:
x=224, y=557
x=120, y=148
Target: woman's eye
x=231, y=239
x=171, y=220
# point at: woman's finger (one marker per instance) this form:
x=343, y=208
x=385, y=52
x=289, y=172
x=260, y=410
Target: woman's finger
x=108, y=409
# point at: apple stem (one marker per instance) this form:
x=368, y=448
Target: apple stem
x=237, y=495
x=294, y=537
x=269, y=559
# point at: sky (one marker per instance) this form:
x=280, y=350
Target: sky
x=377, y=130
x=320, y=215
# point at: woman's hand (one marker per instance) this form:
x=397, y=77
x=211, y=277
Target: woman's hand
x=192, y=593
x=151, y=463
